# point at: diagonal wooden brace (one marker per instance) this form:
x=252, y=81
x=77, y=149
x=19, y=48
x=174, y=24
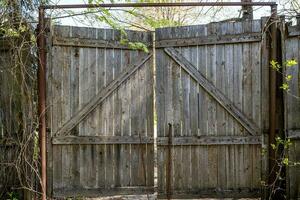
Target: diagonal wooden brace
x=101, y=96
x=213, y=91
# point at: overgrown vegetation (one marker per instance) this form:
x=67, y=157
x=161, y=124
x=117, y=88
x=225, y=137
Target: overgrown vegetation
x=18, y=117
x=282, y=142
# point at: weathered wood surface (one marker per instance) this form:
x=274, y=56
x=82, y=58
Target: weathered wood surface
x=292, y=106
x=212, y=39
x=234, y=69
x=91, y=43
x=101, y=96
x=201, y=140
x=75, y=76
x=135, y=139
x=110, y=148
x=212, y=90
x=114, y=192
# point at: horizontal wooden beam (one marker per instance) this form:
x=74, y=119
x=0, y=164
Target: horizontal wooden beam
x=102, y=140
x=103, y=94
x=211, y=39
x=294, y=134
x=89, y=43
x=210, y=140
x=201, y=140
x=213, y=91
x=293, y=31
x=101, y=192
x=213, y=193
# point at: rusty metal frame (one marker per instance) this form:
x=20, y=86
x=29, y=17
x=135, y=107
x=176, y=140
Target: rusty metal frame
x=41, y=43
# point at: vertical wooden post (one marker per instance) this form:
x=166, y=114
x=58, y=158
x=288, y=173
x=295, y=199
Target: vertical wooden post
x=169, y=165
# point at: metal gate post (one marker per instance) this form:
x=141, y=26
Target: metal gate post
x=272, y=90
x=42, y=97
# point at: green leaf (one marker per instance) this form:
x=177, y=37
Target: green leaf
x=285, y=86
x=273, y=146
x=285, y=161
x=288, y=77
x=290, y=63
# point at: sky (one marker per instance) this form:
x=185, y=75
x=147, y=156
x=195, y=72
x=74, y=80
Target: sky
x=226, y=13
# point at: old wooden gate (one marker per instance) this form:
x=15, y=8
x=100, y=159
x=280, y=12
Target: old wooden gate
x=211, y=99
x=100, y=99
x=212, y=103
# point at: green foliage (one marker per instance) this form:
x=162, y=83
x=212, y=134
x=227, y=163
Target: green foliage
x=9, y=31
x=106, y=16
x=291, y=63
x=135, y=45
x=12, y=196
x=277, y=67
x=284, y=144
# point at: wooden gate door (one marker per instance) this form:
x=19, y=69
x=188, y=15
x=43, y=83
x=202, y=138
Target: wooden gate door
x=100, y=113
x=212, y=105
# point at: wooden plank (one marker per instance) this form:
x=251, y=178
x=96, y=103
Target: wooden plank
x=75, y=177
x=57, y=167
x=134, y=125
x=264, y=60
x=237, y=100
x=294, y=171
x=237, y=86
x=106, y=139
x=223, y=100
x=210, y=140
x=212, y=156
x=247, y=71
x=100, y=150
x=294, y=134
x=211, y=77
x=221, y=81
x=194, y=156
x=256, y=166
x=208, y=40
x=90, y=43
x=66, y=170
x=101, y=192
x=100, y=97
x=186, y=122
x=209, y=193
x=149, y=100
x=160, y=117
x=87, y=166
x=91, y=119
x=203, y=96
x=125, y=121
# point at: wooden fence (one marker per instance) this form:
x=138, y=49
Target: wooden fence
x=211, y=111
x=292, y=109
